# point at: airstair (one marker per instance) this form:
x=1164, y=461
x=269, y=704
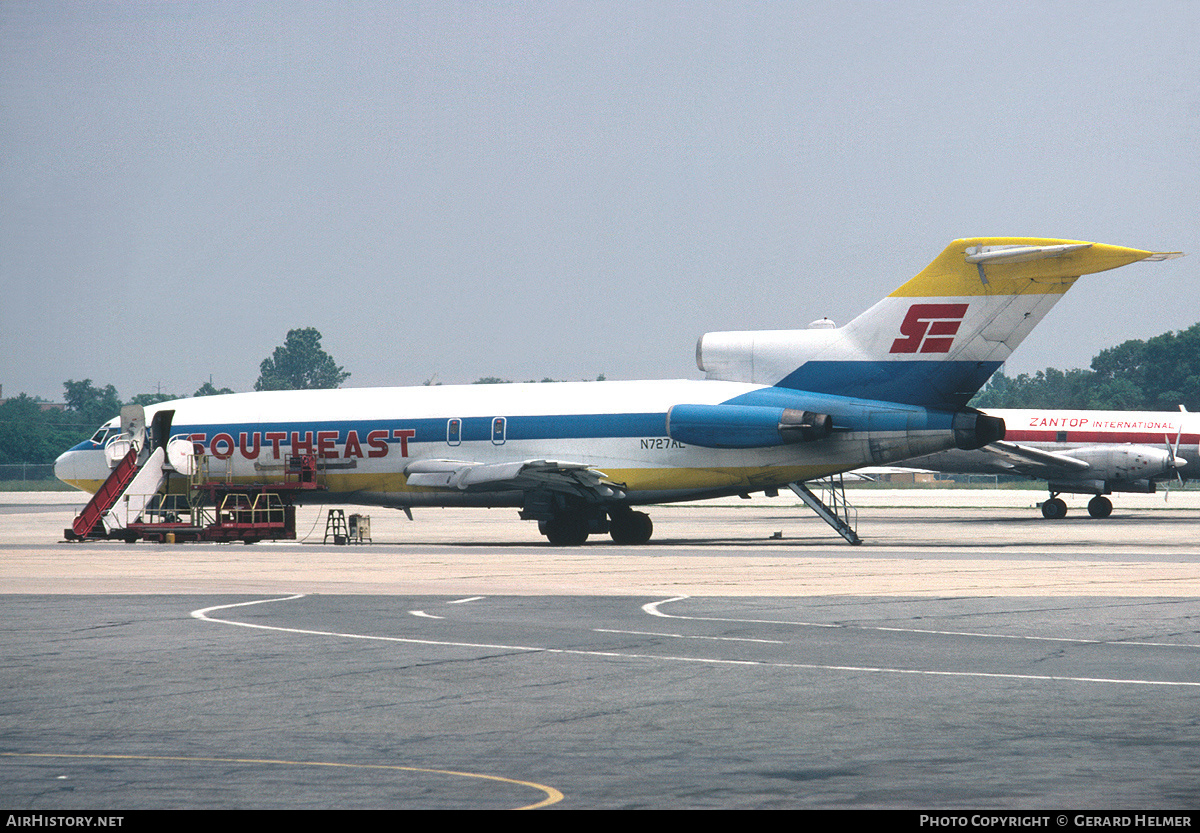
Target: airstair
x=132, y=503
x=106, y=496
x=840, y=515
x=138, y=494
x=122, y=497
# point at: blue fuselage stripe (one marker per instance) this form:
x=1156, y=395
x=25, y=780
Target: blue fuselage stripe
x=848, y=414
x=474, y=429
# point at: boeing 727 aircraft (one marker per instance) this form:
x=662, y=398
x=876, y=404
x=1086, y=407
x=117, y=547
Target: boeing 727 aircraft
x=1084, y=452
x=777, y=408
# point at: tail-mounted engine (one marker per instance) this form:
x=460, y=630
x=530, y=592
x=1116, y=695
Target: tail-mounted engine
x=744, y=426
x=973, y=429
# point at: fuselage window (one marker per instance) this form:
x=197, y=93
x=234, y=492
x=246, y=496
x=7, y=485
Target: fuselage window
x=498, y=430
x=454, y=432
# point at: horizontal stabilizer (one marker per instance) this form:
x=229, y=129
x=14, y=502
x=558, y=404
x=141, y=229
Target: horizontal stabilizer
x=1020, y=254
x=1163, y=256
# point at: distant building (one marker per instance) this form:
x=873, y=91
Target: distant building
x=45, y=406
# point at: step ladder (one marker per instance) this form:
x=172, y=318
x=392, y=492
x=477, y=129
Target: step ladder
x=335, y=525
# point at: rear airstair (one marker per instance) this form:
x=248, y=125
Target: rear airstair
x=841, y=515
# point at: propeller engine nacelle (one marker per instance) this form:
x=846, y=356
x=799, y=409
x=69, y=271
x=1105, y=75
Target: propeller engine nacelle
x=1121, y=463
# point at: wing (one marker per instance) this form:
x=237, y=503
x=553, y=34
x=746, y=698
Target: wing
x=521, y=475
x=1034, y=461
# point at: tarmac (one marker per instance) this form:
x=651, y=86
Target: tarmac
x=969, y=654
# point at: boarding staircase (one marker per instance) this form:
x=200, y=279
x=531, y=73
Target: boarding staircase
x=88, y=522
x=138, y=494
x=134, y=481
x=122, y=497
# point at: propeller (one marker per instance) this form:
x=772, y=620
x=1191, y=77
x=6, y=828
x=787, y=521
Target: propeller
x=1174, y=461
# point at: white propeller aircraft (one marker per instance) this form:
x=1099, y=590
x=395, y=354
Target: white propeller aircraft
x=1084, y=452
x=777, y=408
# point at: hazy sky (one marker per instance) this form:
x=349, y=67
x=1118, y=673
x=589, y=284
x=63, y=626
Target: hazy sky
x=525, y=189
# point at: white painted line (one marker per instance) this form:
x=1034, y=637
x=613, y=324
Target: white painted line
x=652, y=609
x=203, y=615
x=203, y=612
x=425, y=615
x=464, y=601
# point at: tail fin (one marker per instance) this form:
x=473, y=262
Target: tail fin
x=934, y=341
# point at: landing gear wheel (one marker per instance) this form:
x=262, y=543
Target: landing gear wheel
x=1099, y=507
x=569, y=530
x=630, y=527
x=1054, y=508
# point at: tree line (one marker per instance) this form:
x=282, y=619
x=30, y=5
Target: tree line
x=30, y=432
x=1158, y=374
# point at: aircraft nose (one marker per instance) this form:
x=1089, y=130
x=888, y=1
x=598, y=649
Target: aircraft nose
x=65, y=466
x=76, y=466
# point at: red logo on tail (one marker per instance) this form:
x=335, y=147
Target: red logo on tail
x=929, y=328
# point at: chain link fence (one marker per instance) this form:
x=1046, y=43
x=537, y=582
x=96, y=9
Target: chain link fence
x=38, y=476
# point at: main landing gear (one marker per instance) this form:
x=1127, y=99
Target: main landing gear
x=571, y=527
x=1056, y=507
x=567, y=521
x=629, y=527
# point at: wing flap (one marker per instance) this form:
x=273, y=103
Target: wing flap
x=521, y=475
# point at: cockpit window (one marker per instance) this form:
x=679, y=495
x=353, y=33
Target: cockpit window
x=103, y=433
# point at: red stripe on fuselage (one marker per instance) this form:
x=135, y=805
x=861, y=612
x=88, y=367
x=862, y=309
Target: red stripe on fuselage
x=1099, y=437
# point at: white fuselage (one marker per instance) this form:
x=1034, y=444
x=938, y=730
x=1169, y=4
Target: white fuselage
x=1121, y=447
x=367, y=437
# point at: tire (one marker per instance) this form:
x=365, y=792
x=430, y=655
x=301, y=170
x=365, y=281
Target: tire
x=630, y=528
x=1054, y=509
x=1099, y=507
x=567, y=530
